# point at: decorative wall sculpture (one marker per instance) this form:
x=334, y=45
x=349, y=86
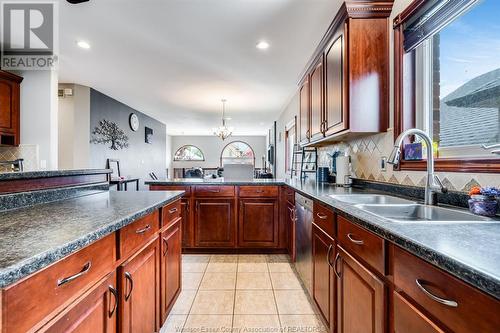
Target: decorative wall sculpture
x=109, y=132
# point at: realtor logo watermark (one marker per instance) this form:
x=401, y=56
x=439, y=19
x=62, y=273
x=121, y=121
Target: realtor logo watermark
x=29, y=38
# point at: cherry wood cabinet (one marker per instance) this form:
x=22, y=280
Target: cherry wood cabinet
x=187, y=226
x=316, y=96
x=9, y=108
x=408, y=319
x=361, y=300
x=304, y=111
x=95, y=311
x=139, y=281
x=258, y=225
x=323, y=247
x=290, y=216
x=214, y=222
x=335, y=115
x=170, y=269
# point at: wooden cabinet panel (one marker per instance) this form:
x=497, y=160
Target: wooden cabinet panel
x=290, y=218
x=474, y=311
x=187, y=223
x=408, y=319
x=289, y=195
x=258, y=223
x=324, y=218
x=360, y=296
x=186, y=189
x=138, y=233
x=171, y=213
x=37, y=298
x=170, y=267
x=335, y=113
x=214, y=223
x=304, y=112
x=316, y=122
x=258, y=191
x=214, y=191
x=323, y=248
x=96, y=311
x=9, y=108
x=139, y=279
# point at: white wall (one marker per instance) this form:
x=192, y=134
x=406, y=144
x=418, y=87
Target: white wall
x=289, y=113
x=169, y=155
x=212, y=146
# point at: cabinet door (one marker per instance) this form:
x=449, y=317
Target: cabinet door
x=335, y=113
x=94, y=312
x=323, y=248
x=360, y=297
x=9, y=108
x=170, y=267
x=290, y=218
x=187, y=226
x=215, y=223
x=139, y=291
x=304, y=111
x=408, y=319
x=317, y=100
x=258, y=223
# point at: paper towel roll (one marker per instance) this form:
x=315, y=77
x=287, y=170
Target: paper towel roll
x=342, y=170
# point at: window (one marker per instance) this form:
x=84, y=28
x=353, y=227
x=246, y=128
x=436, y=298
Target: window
x=189, y=153
x=290, y=141
x=450, y=78
x=237, y=152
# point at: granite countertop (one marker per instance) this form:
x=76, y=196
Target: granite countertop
x=33, y=237
x=51, y=173
x=214, y=181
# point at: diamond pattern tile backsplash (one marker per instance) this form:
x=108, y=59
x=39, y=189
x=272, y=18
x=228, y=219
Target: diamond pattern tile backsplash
x=367, y=152
x=28, y=152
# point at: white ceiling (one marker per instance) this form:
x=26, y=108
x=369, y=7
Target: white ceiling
x=175, y=59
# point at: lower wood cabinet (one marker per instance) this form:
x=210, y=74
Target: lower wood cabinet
x=408, y=319
x=187, y=227
x=361, y=297
x=258, y=225
x=139, y=281
x=290, y=217
x=170, y=267
x=214, y=223
x=95, y=311
x=323, y=247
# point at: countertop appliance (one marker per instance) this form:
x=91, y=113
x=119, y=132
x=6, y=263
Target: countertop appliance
x=303, y=240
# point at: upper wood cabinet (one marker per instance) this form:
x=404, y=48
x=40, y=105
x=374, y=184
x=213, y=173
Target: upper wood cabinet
x=348, y=76
x=9, y=108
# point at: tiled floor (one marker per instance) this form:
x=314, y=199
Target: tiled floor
x=241, y=293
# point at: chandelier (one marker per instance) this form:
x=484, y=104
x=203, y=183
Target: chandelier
x=223, y=131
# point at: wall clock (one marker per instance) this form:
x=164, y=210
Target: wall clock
x=134, y=122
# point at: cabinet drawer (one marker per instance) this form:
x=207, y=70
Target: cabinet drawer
x=34, y=300
x=186, y=189
x=289, y=195
x=138, y=233
x=171, y=212
x=324, y=218
x=214, y=191
x=362, y=243
x=431, y=287
x=259, y=191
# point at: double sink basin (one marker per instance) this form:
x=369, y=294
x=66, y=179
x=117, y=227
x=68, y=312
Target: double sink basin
x=399, y=210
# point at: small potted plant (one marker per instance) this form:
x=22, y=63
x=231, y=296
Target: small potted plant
x=484, y=200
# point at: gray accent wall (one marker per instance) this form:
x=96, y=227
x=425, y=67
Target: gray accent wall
x=140, y=158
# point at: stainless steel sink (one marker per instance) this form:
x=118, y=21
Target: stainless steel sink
x=370, y=199
x=422, y=213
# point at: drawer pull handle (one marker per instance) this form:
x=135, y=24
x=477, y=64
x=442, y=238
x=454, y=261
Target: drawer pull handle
x=355, y=241
x=165, y=241
x=68, y=279
x=172, y=210
x=214, y=191
x=443, y=301
x=337, y=258
x=143, y=230
x=322, y=216
x=128, y=276
x=259, y=191
x=330, y=248
x=115, y=296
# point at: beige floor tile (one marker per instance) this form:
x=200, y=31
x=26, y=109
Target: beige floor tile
x=194, y=267
x=173, y=324
x=285, y=281
x=253, y=281
x=293, y=302
x=191, y=280
x=218, y=281
x=255, y=267
x=302, y=323
x=224, y=258
x=253, y=323
x=229, y=267
x=201, y=258
x=249, y=258
x=208, y=323
x=183, y=303
x=213, y=302
x=255, y=302
x=280, y=267
x=278, y=258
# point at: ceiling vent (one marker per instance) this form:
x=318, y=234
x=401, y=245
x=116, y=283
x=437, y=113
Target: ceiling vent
x=74, y=2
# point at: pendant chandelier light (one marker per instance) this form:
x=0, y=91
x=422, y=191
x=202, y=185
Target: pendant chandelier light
x=223, y=131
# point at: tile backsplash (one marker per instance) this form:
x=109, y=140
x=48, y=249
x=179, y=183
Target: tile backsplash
x=28, y=152
x=367, y=152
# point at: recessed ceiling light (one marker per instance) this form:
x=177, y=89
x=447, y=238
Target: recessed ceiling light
x=83, y=44
x=262, y=45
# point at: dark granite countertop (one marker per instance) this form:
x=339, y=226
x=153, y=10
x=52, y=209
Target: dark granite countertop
x=33, y=237
x=50, y=173
x=214, y=181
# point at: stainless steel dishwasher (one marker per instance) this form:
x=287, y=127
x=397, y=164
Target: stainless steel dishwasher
x=303, y=240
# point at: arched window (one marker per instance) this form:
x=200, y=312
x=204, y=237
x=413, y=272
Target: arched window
x=189, y=153
x=237, y=152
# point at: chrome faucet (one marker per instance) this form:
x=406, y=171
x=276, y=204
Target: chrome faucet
x=433, y=184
